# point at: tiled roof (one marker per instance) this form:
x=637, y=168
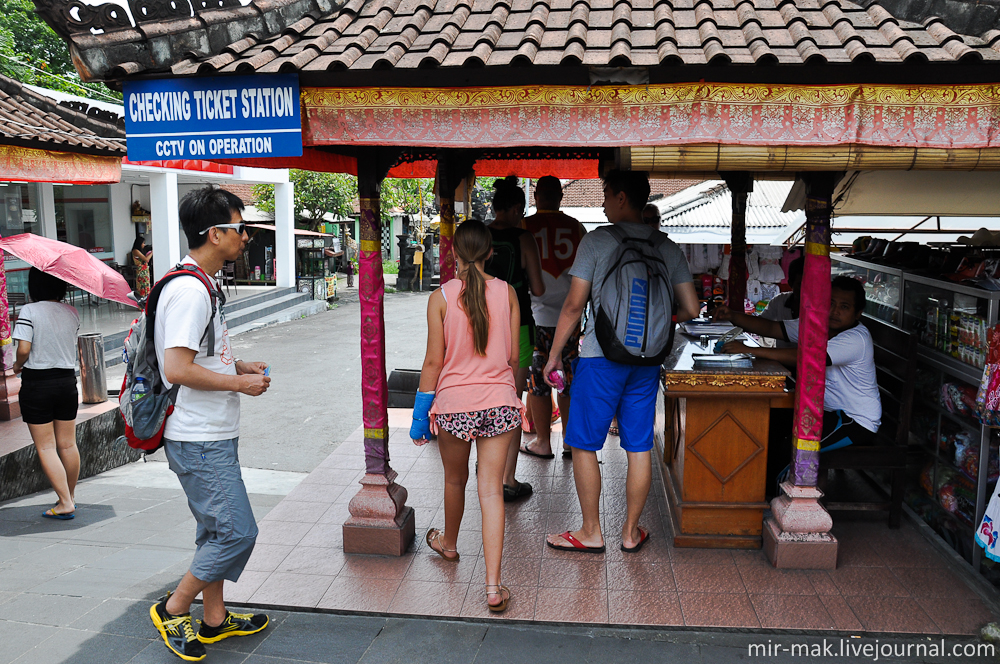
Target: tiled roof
x=358, y=35
x=29, y=119
x=590, y=193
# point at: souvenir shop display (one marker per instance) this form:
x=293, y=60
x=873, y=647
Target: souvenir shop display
x=947, y=300
x=766, y=269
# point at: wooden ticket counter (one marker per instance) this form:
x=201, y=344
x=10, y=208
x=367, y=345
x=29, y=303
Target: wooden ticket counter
x=715, y=425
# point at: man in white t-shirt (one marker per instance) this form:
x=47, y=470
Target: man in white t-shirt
x=202, y=434
x=853, y=409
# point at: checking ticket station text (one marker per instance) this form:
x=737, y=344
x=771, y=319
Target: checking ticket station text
x=235, y=117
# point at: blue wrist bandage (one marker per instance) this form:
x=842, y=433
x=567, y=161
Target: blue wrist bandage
x=421, y=426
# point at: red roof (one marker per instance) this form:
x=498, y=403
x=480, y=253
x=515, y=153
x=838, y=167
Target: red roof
x=590, y=193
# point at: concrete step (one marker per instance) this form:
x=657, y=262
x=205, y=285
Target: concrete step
x=264, y=308
x=280, y=305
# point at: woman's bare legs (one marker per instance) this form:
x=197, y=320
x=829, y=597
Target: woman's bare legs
x=491, y=453
x=520, y=382
x=455, y=457
x=69, y=454
x=44, y=438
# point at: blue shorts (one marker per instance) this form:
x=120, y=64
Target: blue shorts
x=209, y=472
x=602, y=390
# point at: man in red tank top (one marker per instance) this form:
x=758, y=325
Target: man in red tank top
x=557, y=235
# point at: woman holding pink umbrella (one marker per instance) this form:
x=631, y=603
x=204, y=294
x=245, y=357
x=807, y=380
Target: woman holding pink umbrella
x=46, y=332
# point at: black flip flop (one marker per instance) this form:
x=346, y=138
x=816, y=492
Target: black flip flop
x=644, y=537
x=525, y=450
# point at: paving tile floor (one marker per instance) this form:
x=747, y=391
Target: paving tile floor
x=886, y=581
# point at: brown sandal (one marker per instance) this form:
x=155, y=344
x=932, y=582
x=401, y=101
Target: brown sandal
x=502, y=606
x=435, y=535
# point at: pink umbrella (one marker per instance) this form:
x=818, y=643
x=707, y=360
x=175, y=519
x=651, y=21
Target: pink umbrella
x=71, y=264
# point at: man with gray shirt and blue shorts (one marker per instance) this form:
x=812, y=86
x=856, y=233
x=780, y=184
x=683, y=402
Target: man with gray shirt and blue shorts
x=202, y=434
x=603, y=388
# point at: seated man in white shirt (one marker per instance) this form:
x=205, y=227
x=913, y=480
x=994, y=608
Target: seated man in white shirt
x=853, y=409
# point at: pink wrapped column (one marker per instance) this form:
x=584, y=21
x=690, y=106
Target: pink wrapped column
x=797, y=535
x=380, y=521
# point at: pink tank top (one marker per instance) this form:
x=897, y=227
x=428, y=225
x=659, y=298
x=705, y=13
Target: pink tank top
x=471, y=382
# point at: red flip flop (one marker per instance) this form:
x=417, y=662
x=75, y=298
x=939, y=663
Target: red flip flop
x=578, y=546
x=643, y=538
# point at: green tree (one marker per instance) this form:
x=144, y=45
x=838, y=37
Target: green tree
x=406, y=194
x=31, y=52
x=315, y=195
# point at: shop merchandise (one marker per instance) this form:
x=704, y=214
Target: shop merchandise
x=988, y=397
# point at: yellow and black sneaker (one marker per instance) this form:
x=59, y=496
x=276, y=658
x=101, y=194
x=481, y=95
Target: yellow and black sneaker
x=177, y=632
x=235, y=624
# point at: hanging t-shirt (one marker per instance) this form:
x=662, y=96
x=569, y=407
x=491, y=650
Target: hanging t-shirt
x=557, y=235
x=506, y=265
x=182, y=314
x=778, y=309
x=851, y=382
x=51, y=328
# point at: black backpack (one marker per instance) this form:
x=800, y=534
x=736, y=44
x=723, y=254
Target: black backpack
x=634, y=302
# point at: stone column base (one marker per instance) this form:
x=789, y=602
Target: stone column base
x=390, y=540
x=786, y=550
x=380, y=521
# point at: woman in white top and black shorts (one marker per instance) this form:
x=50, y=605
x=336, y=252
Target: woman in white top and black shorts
x=46, y=334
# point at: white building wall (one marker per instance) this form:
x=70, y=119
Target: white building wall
x=122, y=228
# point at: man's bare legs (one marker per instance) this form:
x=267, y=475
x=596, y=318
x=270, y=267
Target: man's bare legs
x=520, y=382
x=44, y=438
x=587, y=473
x=637, y=483
x=543, y=441
x=179, y=602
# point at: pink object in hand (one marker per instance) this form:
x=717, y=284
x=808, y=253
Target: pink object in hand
x=558, y=379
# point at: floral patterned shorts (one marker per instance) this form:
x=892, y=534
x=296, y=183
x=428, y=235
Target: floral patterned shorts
x=480, y=423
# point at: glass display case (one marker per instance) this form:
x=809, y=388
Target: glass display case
x=883, y=285
x=949, y=482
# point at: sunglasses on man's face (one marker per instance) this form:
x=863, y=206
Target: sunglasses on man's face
x=239, y=228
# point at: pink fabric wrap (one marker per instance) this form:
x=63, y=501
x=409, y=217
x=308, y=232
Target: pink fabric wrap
x=371, y=292
x=5, y=342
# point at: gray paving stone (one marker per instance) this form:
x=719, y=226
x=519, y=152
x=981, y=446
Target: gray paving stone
x=118, y=616
x=156, y=586
x=405, y=641
x=83, y=648
x=89, y=582
x=12, y=547
x=18, y=638
x=527, y=644
x=611, y=650
x=58, y=611
x=64, y=557
x=20, y=580
x=140, y=559
x=322, y=638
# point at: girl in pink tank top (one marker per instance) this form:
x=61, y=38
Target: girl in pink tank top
x=472, y=344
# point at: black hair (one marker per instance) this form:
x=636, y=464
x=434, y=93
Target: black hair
x=206, y=207
x=635, y=184
x=507, y=194
x=44, y=287
x=796, y=268
x=548, y=188
x=851, y=285
x=137, y=245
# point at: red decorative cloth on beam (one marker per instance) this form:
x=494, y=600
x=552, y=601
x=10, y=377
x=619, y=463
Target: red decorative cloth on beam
x=945, y=116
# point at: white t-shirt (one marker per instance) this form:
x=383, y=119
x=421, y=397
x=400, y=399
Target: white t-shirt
x=182, y=315
x=851, y=382
x=777, y=309
x=51, y=328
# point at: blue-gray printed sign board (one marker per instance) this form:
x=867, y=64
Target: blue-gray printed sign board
x=232, y=117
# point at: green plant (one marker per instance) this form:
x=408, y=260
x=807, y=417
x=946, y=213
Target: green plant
x=390, y=267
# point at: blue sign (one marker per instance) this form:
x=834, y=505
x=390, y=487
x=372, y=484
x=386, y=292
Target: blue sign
x=237, y=117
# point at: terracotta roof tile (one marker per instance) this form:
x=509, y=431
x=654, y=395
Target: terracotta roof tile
x=315, y=35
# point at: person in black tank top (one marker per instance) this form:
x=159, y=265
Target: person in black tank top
x=515, y=260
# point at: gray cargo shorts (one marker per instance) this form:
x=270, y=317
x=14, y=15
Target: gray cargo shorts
x=209, y=472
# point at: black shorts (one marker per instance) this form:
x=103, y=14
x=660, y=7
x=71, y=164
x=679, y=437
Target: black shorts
x=840, y=430
x=47, y=395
